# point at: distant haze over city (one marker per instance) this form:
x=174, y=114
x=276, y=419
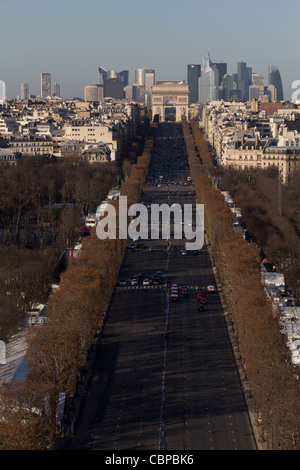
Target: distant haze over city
x=70, y=40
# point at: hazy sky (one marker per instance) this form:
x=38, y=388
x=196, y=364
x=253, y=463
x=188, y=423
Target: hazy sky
x=71, y=38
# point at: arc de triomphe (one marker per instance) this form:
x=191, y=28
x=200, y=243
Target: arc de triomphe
x=177, y=91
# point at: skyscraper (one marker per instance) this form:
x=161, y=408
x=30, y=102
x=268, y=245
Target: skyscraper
x=93, y=93
x=56, y=90
x=140, y=77
x=24, y=91
x=227, y=87
x=193, y=74
x=209, y=81
x=222, y=68
x=45, y=85
x=275, y=79
x=2, y=92
x=114, y=88
x=149, y=79
x=102, y=75
x=124, y=77
x=244, y=80
x=258, y=81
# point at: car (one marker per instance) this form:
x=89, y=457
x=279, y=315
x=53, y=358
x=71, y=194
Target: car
x=199, y=290
x=185, y=290
x=174, y=297
x=152, y=248
x=130, y=247
x=184, y=252
x=157, y=280
x=141, y=246
x=134, y=281
x=211, y=288
x=122, y=282
x=147, y=281
x=201, y=308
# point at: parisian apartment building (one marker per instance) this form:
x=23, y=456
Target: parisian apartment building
x=251, y=135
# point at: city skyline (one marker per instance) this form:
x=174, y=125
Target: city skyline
x=71, y=42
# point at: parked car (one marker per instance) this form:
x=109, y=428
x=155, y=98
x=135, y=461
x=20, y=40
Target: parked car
x=122, y=283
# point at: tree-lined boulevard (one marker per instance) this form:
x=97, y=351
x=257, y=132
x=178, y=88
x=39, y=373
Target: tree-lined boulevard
x=165, y=377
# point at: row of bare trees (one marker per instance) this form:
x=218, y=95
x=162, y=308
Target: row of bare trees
x=266, y=359
x=58, y=351
x=42, y=204
x=31, y=191
x=271, y=213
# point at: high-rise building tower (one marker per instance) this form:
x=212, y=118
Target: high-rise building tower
x=124, y=77
x=45, y=85
x=140, y=77
x=209, y=81
x=244, y=80
x=114, y=88
x=102, y=75
x=258, y=81
x=227, y=87
x=93, y=93
x=149, y=79
x=222, y=68
x=24, y=91
x=2, y=92
x=56, y=90
x=112, y=74
x=275, y=79
x=193, y=74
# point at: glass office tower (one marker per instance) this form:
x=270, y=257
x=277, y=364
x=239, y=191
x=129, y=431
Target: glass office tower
x=275, y=79
x=209, y=81
x=193, y=74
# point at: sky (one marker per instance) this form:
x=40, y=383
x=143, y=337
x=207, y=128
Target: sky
x=71, y=38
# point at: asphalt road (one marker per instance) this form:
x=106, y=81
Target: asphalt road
x=166, y=377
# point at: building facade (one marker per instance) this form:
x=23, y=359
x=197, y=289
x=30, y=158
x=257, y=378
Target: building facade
x=209, y=81
x=274, y=78
x=45, y=85
x=93, y=93
x=24, y=91
x=193, y=75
